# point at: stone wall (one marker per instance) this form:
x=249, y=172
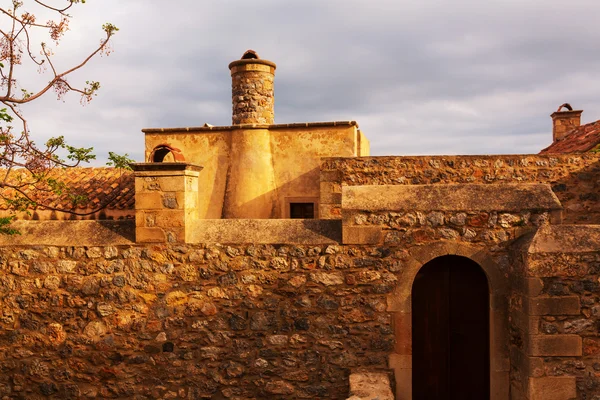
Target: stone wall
x=555, y=314
x=191, y=322
x=574, y=178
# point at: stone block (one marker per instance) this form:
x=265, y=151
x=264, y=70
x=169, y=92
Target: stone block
x=403, y=323
x=555, y=345
x=331, y=176
x=533, y=286
x=171, y=183
x=400, y=361
x=190, y=200
x=330, y=211
x=370, y=385
x=516, y=393
x=499, y=385
x=140, y=218
x=556, y=217
x=552, y=388
x=564, y=305
x=169, y=218
x=331, y=193
x=403, y=379
x=149, y=201
x=362, y=235
x=527, y=366
x=146, y=185
x=150, y=235
x=524, y=322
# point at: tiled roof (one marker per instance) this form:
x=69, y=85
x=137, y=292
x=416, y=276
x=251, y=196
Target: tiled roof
x=112, y=187
x=579, y=140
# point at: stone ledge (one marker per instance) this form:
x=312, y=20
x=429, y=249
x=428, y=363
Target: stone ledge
x=163, y=167
x=566, y=239
x=69, y=233
x=451, y=197
x=250, y=126
x=266, y=231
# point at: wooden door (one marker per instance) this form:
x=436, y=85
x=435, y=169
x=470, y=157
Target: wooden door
x=450, y=331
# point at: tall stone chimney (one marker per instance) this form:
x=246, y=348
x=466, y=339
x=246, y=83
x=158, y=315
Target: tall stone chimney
x=563, y=121
x=252, y=90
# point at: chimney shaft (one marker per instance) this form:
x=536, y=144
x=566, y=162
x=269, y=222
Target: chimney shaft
x=564, y=121
x=252, y=90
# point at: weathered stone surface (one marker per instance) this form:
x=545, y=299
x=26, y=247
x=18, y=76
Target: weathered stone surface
x=505, y=197
x=561, y=238
x=265, y=231
x=552, y=388
x=62, y=233
x=562, y=171
x=370, y=386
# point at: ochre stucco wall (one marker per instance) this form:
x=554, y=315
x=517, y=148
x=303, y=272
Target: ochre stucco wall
x=297, y=171
x=211, y=151
x=253, y=172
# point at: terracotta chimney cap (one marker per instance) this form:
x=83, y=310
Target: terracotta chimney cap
x=250, y=54
x=565, y=105
x=251, y=57
x=565, y=111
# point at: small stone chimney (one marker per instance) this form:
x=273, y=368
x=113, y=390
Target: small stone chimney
x=563, y=121
x=252, y=90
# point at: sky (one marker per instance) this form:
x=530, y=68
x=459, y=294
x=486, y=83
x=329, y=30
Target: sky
x=419, y=77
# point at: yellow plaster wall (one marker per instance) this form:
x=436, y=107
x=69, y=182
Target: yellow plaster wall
x=296, y=159
x=251, y=190
x=237, y=182
x=364, y=146
x=210, y=150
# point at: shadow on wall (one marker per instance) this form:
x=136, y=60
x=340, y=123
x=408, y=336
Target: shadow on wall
x=304, y=186
x=579, y=194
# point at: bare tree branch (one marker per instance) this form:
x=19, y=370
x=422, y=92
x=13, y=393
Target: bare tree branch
x=24, y=164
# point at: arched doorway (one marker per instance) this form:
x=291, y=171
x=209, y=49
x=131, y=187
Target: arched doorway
x=450, y=331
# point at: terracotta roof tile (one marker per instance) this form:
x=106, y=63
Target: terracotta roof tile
x=579, y=140
x=101, y=186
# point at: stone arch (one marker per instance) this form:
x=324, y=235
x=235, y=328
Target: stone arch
x=400, y=307
x=166, y=153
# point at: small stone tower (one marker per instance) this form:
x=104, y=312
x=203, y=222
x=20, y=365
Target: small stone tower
x=252, y=90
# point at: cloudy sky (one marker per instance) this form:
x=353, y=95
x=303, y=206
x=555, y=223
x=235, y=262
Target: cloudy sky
x=420, y=77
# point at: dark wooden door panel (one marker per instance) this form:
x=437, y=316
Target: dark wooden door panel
x=430, y=335
x=450, y=301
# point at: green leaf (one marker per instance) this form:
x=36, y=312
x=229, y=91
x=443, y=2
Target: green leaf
x=5, y=229
x=119, y=161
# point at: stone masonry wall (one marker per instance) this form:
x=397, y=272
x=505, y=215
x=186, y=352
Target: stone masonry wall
x=253, y=97
x=192, y=322
x=576, y=328
x=574, y=178
x=555, y=316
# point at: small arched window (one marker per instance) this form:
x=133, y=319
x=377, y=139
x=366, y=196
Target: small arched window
x=166, y=153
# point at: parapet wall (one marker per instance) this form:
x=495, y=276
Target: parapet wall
x=575, y=179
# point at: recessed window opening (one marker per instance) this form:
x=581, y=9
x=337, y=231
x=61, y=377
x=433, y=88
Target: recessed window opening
x=302, y=210
x=163, y=154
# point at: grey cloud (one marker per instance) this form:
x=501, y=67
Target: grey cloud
x=428, y=77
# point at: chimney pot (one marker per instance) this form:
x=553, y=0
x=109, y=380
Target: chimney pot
x=564, y=121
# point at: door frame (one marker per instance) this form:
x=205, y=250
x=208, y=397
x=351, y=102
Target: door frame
x=400, y=308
